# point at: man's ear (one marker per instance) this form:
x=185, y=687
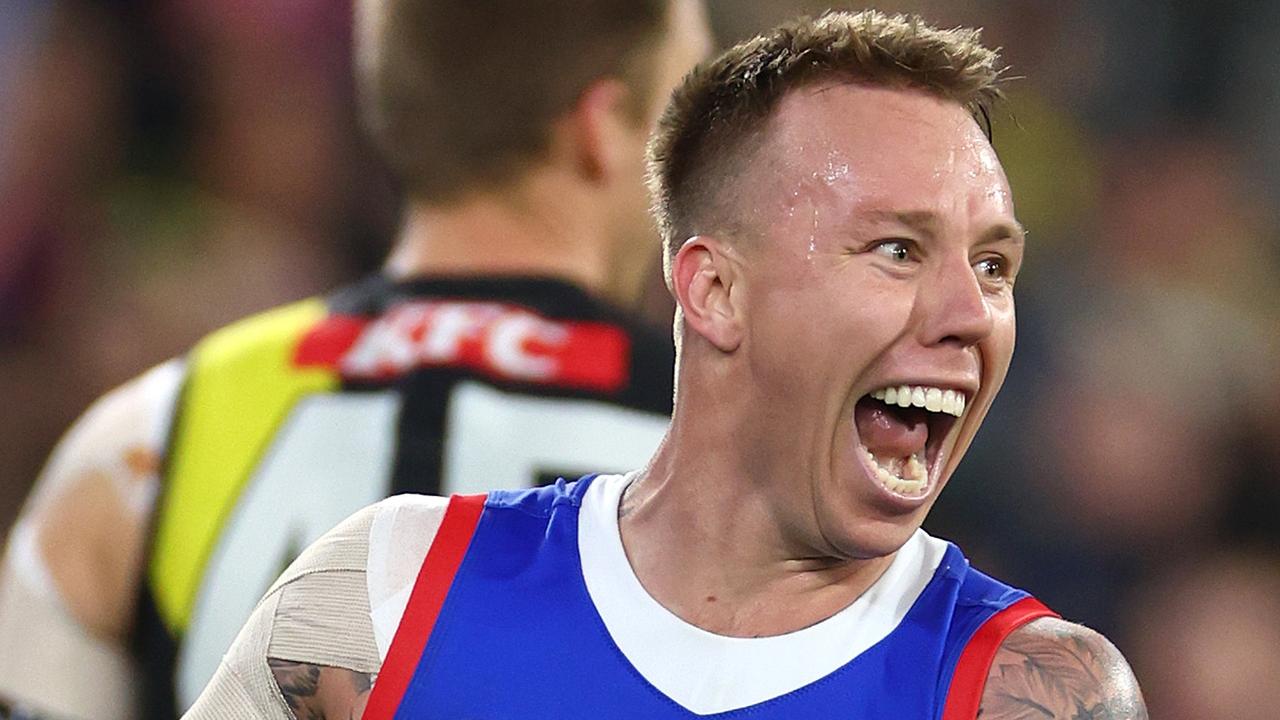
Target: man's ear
x=707, y=283
x=594, y=133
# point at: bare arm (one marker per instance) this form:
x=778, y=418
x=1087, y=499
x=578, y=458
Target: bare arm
x=320, y=692
x=314, y=645
x=332, y=679
x=72, y=563
x=1050, y=668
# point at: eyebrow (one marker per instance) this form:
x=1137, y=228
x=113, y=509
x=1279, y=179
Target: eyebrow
x=926, y=221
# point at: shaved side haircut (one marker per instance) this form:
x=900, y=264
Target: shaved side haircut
x=704, y=137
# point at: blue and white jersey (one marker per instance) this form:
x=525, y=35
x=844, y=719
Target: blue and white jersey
x=526, y=608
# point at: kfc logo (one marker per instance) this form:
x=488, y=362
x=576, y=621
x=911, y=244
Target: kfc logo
x=501, y=341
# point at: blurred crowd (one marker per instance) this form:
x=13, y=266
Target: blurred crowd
x=167, y=166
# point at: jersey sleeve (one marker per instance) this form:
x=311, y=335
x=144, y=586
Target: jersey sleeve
x=321, y=610
x=399, y=537
x=68, y=575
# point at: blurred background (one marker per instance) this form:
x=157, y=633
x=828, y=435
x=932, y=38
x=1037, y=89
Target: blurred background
x=167, y=166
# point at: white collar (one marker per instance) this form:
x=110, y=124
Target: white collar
x=708, y=673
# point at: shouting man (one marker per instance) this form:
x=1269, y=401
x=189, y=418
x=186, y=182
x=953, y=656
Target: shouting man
x=842, y=246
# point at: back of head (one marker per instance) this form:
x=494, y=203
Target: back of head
x=706, y=135
x=461, y=95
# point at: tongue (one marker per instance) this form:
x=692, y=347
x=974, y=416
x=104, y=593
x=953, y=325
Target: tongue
x=890, y=432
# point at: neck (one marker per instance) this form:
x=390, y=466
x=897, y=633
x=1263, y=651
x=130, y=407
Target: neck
x=528, y=232
x=741, y=568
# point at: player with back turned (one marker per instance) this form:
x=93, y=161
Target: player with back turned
x=842, y=245
x=494, y=350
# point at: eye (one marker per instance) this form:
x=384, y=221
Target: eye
x=992, y=268
x=896, y=250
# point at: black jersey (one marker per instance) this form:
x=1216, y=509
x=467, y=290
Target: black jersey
x=289, y=421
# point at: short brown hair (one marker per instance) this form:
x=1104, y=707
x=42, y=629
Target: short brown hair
x=727, y=99
x=463, y=93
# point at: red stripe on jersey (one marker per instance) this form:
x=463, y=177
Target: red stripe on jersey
x=429, y=592
x=503, y=341
x=964, y=697
x=328, y=340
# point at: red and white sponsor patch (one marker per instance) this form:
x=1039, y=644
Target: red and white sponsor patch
x=495, y=339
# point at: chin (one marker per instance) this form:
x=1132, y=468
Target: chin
x=863, y=536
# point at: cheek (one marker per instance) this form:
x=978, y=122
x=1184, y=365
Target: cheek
x=816, y=335
x=784, y=344
x=997, y=352
x=1004, y=333
x=870, y=314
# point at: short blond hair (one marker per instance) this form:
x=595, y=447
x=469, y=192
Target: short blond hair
x=700, y=138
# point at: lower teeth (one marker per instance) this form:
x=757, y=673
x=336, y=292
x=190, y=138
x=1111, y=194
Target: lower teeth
x=906, y=478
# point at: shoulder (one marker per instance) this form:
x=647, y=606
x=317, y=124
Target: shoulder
x=116, y=431
x=264, y=330
x=319, y=636
x=1050, y=668
x=359, y=574
x=84, y=526
x=394, y=534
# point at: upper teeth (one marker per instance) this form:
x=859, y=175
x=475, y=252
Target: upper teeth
x=932, y=399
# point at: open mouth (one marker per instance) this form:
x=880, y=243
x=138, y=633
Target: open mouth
x=903, y=430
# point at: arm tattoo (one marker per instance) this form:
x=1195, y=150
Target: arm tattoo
x=1051, y=669
x=321, y=692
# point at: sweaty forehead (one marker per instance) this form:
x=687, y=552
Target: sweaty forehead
x=872, y=142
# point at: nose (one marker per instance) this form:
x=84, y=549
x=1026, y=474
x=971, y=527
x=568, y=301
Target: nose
x=952, y=307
